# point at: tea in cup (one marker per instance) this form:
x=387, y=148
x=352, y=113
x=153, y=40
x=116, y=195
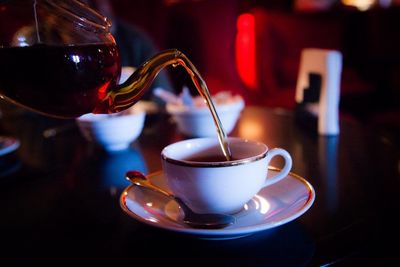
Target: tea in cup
x=198, y=173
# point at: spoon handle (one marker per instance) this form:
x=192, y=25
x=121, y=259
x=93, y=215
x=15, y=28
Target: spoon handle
x=139, y=179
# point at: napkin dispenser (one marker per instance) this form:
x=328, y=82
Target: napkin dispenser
x=318, y=88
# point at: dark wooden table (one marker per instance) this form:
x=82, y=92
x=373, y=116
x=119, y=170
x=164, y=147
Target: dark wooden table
x=59, y=199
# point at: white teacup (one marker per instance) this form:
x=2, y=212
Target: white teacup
x=197, y=172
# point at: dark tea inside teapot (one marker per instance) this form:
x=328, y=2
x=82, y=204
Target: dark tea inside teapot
x=56, y=57
x=65, y=81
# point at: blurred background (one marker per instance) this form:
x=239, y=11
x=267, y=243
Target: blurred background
x=253, y=47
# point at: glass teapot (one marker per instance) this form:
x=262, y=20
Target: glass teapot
x=59, y=58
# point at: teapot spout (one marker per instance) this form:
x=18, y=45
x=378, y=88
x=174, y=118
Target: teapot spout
x=128, y=93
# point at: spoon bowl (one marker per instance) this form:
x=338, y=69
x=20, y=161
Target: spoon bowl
x=191, y=218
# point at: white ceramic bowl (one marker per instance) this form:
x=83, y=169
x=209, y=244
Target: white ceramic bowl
x=198, y=122
x=112, y=132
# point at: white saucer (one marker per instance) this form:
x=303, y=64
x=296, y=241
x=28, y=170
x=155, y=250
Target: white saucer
x=271, y=207
x=8, y=145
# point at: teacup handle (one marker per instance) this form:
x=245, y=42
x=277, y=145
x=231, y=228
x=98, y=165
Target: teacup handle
x=286, y=168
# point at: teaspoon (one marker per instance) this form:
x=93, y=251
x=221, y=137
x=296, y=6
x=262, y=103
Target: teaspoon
x=191, y=218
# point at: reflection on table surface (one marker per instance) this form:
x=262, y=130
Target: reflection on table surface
x=63, y=198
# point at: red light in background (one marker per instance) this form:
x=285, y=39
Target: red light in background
x=246, y=50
